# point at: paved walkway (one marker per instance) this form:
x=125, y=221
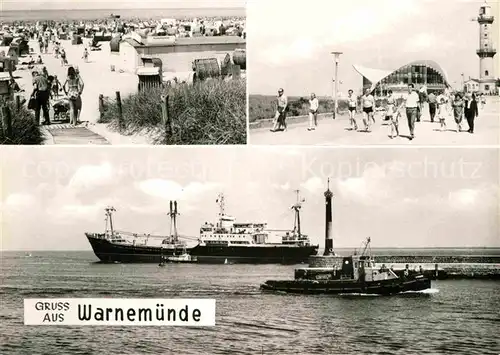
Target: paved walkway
x=69, y=134
x=337, y=132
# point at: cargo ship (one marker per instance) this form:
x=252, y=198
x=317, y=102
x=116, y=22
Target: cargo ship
x=229, y=242
x=115, y=246
x=224, y=242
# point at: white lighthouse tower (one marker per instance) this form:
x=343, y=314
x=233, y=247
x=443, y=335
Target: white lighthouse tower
x=486, y=50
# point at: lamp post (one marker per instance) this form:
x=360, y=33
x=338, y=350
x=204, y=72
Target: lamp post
x=336, y=80
x=463, y=82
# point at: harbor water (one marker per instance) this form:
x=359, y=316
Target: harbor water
x=454, y=317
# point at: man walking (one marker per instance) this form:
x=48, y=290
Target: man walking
x=411, y=104
x=432, y=100
x=280, y=117
x=41, y=94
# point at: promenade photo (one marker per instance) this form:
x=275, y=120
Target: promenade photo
x=375, y=73
x=108, y=74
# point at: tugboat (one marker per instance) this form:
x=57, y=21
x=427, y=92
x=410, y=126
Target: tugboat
x=183, y=258
x=357, y=275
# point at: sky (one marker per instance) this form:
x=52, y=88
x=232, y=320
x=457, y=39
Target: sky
x=399, y=197
x=292, y=50
x=114, y=4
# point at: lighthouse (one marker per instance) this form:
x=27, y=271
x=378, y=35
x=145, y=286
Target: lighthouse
x=328, y=222
x=486, y=50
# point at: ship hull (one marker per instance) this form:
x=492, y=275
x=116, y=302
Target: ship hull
x=108, y=252
x=273, y=254
x=269, y=254
x=336, y=287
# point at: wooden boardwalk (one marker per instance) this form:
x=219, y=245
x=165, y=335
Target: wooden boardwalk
x=71, y=135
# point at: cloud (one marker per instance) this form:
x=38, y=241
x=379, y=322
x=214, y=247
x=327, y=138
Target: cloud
x=171, y=190
x=313, y=184
x=91, y=176
x=426, y=41
x=286, y=186
x=305, y=31
x=17, y=201
x=463, y=198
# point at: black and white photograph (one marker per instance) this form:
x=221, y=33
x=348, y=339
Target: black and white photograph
x=362, y=72
x=338, y=197
x=161, y=72
x=317, y=251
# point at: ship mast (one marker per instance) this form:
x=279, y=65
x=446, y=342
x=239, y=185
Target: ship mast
x=296, y=207
x=109, y=218
x=173, y=221
x=222, y=205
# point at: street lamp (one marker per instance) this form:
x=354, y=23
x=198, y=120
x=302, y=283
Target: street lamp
x=463, y=82
x=336, y=90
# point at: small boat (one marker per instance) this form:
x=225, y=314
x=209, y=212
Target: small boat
x=28, y=255
x=183, y=258
x=357, y=275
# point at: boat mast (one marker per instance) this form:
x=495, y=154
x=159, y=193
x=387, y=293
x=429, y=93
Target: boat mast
x=173, y=221
x=296, y=207
x=222, y=205
x=109, y=218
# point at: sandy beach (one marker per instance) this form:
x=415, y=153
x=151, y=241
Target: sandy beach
x=98, y=79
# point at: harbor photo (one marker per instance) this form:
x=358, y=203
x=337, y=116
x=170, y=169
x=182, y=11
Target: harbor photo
x=306, y=251
x=390, y=72
x=156, y=73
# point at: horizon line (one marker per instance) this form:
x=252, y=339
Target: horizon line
x=131, y=8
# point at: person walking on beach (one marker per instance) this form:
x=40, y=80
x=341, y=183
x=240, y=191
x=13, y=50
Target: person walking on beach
x=411, y=105
x=442, y=101
x=483, y=101
x=64, y=61
x=431, y=99
x=458, y=110
x=392, y=115
x=85, y=55
x=313, y=112
x=56, y=86
x=368, y=109
x=353, y=103
x=56, y=50
x=471, y=111
x=73, y=88
x=41, y=96
x=422, y=94
x=280, y=117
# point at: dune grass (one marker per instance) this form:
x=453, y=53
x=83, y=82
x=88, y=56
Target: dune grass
x=210, y=112
x=24, y=129
x=264, y=107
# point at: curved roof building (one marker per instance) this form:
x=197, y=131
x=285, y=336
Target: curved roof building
x=420, y=73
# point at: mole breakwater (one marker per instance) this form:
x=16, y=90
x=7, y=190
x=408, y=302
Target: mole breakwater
x=433, y=267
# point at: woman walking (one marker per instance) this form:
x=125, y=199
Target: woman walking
x=471, y=111
x=73, y=88
x=443, y=111
x=392, y=115
x=458, y=110
x=353, y=103
x=313, y=112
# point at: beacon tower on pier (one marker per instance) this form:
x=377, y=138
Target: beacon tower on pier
x=486, y=50
x=328, y=222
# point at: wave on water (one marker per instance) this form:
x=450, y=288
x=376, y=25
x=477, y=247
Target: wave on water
x=428, y=291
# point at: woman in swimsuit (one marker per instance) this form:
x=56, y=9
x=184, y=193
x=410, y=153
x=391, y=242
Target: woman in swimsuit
x=73, y=88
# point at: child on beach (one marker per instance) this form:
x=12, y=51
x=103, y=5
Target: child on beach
x=442, y=102
x=458, y=110
x=353, y=102
x=85, y=55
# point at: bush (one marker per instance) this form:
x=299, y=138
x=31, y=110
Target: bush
x=264, y=107
x=209, y=112
x=24, y=129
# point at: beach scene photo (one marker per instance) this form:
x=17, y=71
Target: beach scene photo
x=364, y=72
x=113, y=73
x=330, y=251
